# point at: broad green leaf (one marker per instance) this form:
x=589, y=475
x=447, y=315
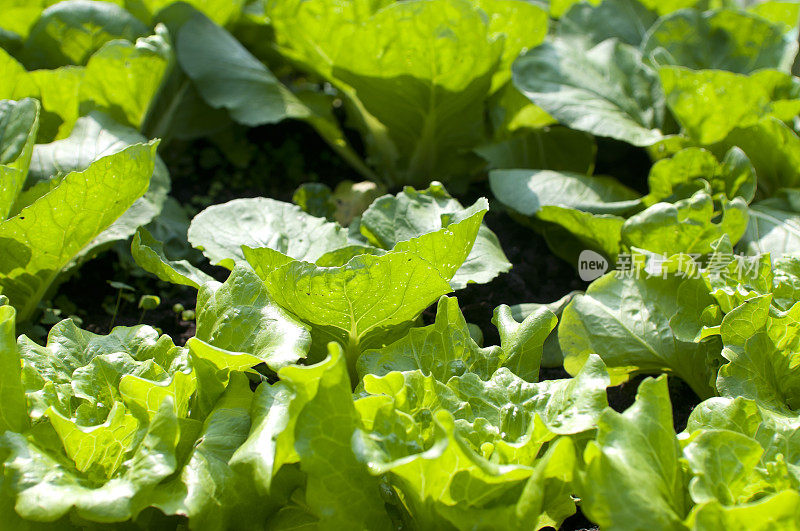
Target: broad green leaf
x=722, y=462
x=443, y=349
x=361, y=304
x=774, y=228
x=339, y=489
x=316, y=22
x=19, y=16
x=391, y=221
x=42, y=239
x=69, y=32
x=240, y=316
x=504, y=23
x=709, y=104
x=123, y=78
x=101, y=446
x=270, y=443
x=511, y=112
x=96, y=136
x=220, y=11
x=567, y=406
x=13, y=405
x=606, y=91
x=522, y=343
x=559, y=7
x=436, y=61
x=625, y=20
x=551, y=350
x=732, y=414
x=569, y=231
x=721, y=39
x=548, y=148
x=145, y=396
x=778, y=12
x=774, y=150
x=627, y=322
x=633, y=476
x=57, y=91
x=579, y=211
x=665, y=7
x=530, y=192
x=693, y=169
x=777, y=511
x=228, y=76
x=221, y=358
x=149, y=255
x=220, y=231
x=46, y=489
x=19, y=124
x=208, y=491
x=688, y=226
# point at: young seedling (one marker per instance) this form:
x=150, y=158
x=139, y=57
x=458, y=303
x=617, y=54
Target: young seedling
x=120, y=287
x=148, y=302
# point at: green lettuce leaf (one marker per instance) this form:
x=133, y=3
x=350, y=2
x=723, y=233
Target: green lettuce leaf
x=723, y=39
x=633, y=475
x=550, y=148
x=220, y=231
x=626, y=320
x=607, y=90
x=625, y=20
x=95, y=136
x=240, y=316
x=13, y=405
x=69, y=33
x=57, y=91
x=339, y=490
x=363, y=304
x=391, y=220
x=45, y=236
x=19, y=124
x=149, y=255
x=445, y=348
x=709, y=104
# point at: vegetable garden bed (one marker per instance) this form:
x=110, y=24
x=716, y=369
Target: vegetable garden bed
x=427, y=264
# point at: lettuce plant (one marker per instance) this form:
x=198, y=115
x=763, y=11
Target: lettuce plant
x=128, y=427
x=694, y=199
x=735, y=466
x=438, y=63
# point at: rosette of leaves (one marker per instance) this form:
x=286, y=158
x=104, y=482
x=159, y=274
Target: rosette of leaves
x=459, y=433
x=415, y=78
x=606, y=69
x=694, y=199
x=363, y=286
x=440, y=432
x=734, y=467
x=109, y=428
x=724, y=325
x=749, y=305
